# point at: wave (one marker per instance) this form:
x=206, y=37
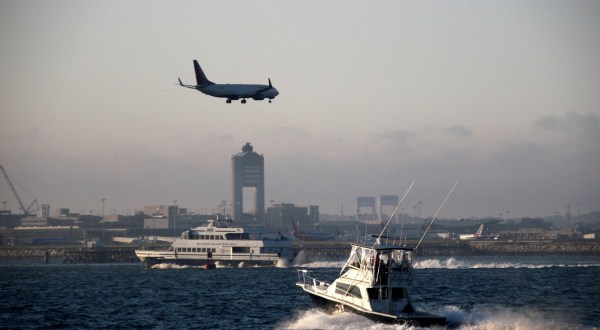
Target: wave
x=452, y=263
x=468, y=320
x=321, y=264
x=175, y=266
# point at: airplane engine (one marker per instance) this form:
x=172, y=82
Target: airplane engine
x=258, y=97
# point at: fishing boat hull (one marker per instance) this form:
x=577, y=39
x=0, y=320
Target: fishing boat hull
x=420, y=319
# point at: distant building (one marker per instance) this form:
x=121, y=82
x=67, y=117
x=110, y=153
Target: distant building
x=34, y=222
x=387, y=200
x=65, y=212
x=279, y=217
x=156, y=223
x=156, y=211
x=45, y=210
x=161, y=217
x=366, y=201
x=248, y=170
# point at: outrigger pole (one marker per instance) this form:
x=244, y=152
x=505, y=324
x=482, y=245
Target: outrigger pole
x=436, y=214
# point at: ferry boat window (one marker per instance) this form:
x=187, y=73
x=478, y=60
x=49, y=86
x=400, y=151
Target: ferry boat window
x=203, y=250
x=240, y=249
x=234, y=236
x=189, y=249
x=212, y=236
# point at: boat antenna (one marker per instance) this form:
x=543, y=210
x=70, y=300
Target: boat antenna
x=394, y=213
x=436, y=214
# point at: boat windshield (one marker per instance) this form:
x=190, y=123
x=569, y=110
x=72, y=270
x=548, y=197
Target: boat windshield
x=371, y=259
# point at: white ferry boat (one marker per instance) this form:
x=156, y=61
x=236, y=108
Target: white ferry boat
x=374, y=283
x=221, y=244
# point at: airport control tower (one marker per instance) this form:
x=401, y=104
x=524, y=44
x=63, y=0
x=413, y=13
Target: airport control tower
x=248, y=170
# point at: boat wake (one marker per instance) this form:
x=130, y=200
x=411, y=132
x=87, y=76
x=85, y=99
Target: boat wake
x=321, y=264
x=303, y=261
x=452, y=263
x=457, y=319
x=174, y=266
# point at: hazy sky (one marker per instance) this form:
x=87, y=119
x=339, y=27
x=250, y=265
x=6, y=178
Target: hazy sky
x=504, y=94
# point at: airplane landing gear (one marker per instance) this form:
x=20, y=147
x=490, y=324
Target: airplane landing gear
x=269, y=100
x=228, y=101
x=243, y=101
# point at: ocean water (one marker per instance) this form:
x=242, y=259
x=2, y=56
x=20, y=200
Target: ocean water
x=551, y=292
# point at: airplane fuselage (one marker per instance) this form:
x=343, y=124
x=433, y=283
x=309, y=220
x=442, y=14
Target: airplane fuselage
x=238, y=91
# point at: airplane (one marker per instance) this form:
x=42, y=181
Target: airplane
x=231, y=91
x=477, y=235
x=312, y=236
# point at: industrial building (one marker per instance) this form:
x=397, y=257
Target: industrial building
x=279, y=217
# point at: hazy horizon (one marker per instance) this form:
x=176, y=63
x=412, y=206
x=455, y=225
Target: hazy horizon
x=503, y=95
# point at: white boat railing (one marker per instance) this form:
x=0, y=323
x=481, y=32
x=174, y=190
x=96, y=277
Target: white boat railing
x=305, y=278
x=307, y=281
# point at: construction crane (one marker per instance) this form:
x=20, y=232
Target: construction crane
x=26, y=210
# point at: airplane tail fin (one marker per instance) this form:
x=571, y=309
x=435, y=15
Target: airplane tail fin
x=201, y=79
x=479, y=231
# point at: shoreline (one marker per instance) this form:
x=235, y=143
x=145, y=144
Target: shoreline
x=326, y=249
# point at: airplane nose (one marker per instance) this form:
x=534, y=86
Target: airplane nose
x=276, y=92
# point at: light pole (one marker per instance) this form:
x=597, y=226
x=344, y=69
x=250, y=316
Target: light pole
x=175, y=218
x=103, y=200
x=420, y=220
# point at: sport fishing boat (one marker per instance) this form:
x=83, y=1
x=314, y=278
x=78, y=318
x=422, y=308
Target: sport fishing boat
x=374, y=283
x=219, y=243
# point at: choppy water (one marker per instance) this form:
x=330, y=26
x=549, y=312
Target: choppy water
x=479, y=293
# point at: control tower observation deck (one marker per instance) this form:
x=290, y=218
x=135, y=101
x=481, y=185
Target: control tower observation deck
x=248, y=170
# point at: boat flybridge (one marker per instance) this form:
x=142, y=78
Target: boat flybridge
x=219, y=243
x=374, y=282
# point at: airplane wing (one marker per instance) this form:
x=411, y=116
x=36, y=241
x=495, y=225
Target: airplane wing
x=254, y=93
x=187, y=86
